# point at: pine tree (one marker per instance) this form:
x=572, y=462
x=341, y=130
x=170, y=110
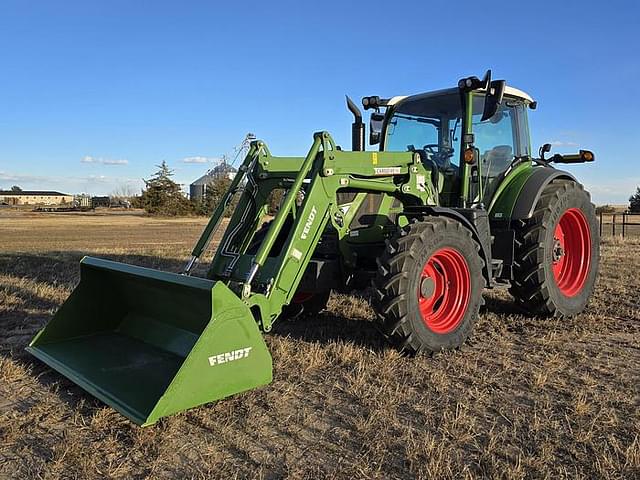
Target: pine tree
x=162, y=195
x=634, y=202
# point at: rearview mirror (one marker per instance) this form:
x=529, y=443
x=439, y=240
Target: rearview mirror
x=493, y=98
x=375, y=128
x=546, y=148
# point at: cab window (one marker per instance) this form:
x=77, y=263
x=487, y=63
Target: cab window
x=499, y=140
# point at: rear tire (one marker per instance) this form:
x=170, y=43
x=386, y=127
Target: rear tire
x=429, y=286
x=306, y=304
x=557, y=252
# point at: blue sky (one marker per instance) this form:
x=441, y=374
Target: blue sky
x=95, y=94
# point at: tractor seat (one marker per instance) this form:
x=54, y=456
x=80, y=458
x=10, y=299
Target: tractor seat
x=496, y=160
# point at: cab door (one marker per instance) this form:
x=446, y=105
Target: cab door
x=500, y=140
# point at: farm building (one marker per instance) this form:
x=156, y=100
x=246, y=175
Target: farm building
x=34, y=197
x=199, y=187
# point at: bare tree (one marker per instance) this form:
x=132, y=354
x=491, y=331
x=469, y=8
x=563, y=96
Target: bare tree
x=123, y=192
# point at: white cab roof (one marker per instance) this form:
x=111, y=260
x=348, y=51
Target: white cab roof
x=514, y=92
x=508, y=91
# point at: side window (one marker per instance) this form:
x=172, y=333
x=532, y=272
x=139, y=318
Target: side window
x=496, y=140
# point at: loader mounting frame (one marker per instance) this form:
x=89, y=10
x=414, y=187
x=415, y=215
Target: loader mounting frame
x=268, y=280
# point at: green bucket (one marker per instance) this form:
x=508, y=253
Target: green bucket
x=151, y=343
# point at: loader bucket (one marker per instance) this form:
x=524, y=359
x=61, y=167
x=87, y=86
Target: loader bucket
x=151, y=343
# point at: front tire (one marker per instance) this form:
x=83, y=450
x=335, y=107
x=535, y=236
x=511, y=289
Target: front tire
x=429, y=286
x=557, y=252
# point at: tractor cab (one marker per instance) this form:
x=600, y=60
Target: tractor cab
x=432, y=125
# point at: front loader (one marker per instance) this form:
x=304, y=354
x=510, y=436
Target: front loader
x=451, y=203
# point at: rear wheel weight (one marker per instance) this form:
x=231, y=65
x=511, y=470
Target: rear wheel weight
x=429, y=286
x=557, y=252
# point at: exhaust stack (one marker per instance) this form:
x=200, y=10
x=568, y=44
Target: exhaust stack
x=357, y=127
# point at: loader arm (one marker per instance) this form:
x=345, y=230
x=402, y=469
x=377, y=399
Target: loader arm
x=268, y=279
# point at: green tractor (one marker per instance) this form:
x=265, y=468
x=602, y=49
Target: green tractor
x=451, y=203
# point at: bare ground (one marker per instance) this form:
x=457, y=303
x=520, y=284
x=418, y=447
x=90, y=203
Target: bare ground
x=524, y=398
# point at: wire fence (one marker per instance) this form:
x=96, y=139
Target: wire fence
x=619, y=224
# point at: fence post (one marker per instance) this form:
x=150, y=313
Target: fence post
x=600, y=224
x=613, y=232
x=624, y=223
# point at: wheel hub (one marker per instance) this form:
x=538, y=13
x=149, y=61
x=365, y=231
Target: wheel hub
x=558, y=250
x=428, y=287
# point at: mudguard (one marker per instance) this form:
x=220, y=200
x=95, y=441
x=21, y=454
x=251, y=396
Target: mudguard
x=517, y=197
x=533, y=188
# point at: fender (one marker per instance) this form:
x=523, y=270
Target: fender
x=532, y=190
x=483, y=238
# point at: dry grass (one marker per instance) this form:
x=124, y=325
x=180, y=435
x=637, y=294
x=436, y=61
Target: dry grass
x=524, y=398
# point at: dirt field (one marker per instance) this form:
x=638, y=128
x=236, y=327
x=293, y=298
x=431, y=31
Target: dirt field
x=525, y=398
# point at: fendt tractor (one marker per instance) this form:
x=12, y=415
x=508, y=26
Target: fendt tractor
x=452, y=202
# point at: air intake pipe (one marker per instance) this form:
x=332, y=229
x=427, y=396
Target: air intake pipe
x=357, y=127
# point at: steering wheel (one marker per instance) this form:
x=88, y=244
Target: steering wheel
x=431, y=148
x=440, y=155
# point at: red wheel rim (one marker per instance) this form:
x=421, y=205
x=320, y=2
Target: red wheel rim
x=444, y=290
x=301, y=297
x=571, y=255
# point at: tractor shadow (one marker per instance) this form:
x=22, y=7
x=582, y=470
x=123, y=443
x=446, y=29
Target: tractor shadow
x=329, y=327
x=500, y=306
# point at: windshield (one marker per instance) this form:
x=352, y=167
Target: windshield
x=430, y=124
